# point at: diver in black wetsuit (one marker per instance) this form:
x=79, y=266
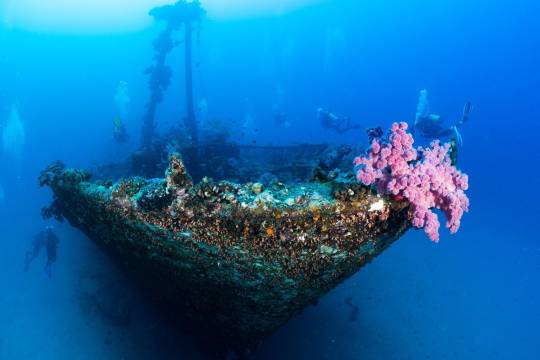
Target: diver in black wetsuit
x=430, y=126
x=330, y=121
x=120, y=134
x=374, y=133
x=44, y=239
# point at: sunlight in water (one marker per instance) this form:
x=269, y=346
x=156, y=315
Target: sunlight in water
x=98, y=16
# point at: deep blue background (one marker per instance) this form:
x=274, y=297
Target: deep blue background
x=474, y=295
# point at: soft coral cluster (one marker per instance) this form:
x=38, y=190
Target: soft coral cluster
x=425, y=177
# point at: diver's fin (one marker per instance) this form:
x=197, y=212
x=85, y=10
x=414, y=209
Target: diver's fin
x=458, y=136
x=467, y=111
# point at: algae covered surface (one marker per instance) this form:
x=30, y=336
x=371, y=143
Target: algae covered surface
x=242, y=259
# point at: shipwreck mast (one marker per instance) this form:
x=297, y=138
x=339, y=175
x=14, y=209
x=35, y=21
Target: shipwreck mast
x=184, y=14
x=190, y=120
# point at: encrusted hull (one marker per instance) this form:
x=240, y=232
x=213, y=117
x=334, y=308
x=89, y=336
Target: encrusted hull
x=237, y=259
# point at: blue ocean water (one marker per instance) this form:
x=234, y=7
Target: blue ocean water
x=474, y=295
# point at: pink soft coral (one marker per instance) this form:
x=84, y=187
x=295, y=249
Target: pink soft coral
x=424, y=177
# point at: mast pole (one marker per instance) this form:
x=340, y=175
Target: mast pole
x=191, y=122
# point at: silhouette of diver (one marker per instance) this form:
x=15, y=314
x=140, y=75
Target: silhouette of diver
x=44, y=239
x=331, y=121
x=430, y=126
x=120, y=134
x=374, y=133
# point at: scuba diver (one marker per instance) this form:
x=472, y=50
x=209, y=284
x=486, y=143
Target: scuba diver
x=281, y=118
x=44, y=239
x=331, y=121
x=430, y=126
x=121, y=101
x=119, y=131
x=374, y=133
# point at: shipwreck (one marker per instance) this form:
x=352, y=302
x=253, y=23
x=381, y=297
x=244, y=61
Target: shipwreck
x=239, y=255
x=243, y=259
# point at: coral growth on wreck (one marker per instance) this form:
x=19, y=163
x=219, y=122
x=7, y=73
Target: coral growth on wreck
x=224, y=253
x=425, y=177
